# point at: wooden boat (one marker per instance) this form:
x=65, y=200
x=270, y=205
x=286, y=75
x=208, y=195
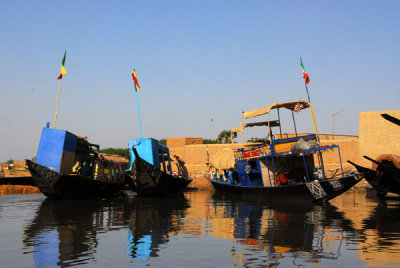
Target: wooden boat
x=151, y=171
x=68, y=166
x=290, y=166
x=384, y=175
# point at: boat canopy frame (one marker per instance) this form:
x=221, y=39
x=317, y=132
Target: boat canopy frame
x=292, y=106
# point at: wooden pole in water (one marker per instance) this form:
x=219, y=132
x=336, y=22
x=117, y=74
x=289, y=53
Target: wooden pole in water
x=58, y=98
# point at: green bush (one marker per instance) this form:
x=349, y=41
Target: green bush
x=209, y=141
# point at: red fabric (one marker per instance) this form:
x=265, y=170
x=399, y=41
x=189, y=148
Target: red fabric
x=306, y=77
x=281, y=178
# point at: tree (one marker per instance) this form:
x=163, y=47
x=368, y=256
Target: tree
x=209, y=141
x=10, y=161
x=258, y=140
x=224, y=136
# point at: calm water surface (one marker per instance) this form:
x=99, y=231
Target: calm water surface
x=198, y=230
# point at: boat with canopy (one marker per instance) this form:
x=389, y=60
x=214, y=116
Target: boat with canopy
x=284, y=165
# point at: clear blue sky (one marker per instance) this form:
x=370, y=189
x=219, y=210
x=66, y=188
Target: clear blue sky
x=195, y=61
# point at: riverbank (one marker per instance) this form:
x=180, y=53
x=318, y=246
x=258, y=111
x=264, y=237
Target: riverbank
x=201, y=183
x=18, y=189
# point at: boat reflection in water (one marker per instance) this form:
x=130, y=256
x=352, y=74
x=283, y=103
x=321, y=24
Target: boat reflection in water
x=378, y=227
x=382, y=229
x=213, y=230
x=152, y=222
x=66, y=233
x=282, y=233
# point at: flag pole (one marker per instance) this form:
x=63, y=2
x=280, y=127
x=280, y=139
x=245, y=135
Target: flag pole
x=58, y=97
x=305, y=80
x=308, y=95
x=137, y=105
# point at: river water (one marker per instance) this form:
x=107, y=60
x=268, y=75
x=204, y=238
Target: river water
x=198, y=230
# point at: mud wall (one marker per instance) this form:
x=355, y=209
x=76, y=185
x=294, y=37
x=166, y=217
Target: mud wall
x=378, y=135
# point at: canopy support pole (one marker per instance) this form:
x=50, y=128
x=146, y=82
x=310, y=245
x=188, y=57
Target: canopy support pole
x=294, y=122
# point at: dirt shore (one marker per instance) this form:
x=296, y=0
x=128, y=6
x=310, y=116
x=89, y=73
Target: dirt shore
x=16, y=173
x=200, y=182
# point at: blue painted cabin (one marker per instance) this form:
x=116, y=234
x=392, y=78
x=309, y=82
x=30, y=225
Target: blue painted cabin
x=57, y=150
x=152, y=152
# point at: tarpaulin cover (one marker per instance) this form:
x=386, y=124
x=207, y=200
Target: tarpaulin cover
x=223, y=160
x=395, y=159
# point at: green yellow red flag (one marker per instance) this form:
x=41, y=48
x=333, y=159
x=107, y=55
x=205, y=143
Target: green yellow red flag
x=137, y=87
x=63, y=71
x=305, y=74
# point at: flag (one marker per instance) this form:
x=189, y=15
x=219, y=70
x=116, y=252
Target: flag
x=298, y=107
x=63, y=71
x=305, y=74
x=137, y=87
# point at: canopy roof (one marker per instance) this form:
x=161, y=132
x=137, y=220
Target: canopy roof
x=288, y=105
x=265, y=123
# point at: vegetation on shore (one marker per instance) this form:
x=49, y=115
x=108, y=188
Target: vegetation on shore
x=124, y=152
x=223, y=137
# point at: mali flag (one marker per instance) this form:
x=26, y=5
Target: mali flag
x=137, y=87
x=305, y=74
x=63, y=71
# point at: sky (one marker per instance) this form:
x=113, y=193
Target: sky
x=199, y=65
